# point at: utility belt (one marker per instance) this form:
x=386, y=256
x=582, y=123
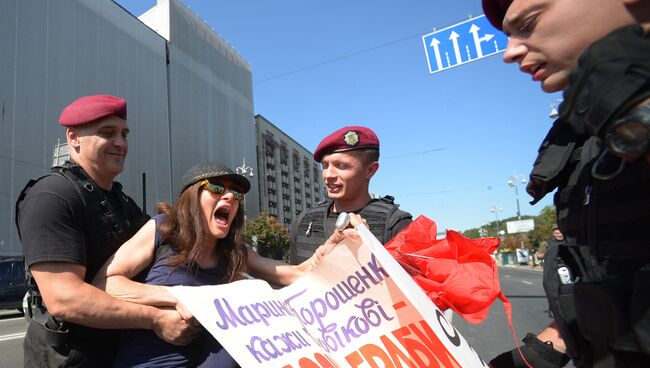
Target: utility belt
x=601, y=307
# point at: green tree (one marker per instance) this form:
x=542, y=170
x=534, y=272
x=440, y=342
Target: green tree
x=472, y=233
x=271, y=237
x=543, y=226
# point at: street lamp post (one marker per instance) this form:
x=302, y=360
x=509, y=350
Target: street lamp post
x=512, y=182
x=554, y=114
x=496, y=211
x=246, y=171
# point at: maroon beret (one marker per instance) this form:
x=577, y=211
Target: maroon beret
x=495, y=10
x=87, y=109
x=347, y=139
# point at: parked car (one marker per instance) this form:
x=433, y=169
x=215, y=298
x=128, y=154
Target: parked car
x=12, y=283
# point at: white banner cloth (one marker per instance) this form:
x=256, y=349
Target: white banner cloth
x=358, y=308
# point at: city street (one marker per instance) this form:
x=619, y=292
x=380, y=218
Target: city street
x=12, y=332
x=523, y=286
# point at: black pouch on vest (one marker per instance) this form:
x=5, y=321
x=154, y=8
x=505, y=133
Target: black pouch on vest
x=55, y=334
x=602, y=313
x=553, y=155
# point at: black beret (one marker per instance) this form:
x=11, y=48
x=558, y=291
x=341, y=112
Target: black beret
x=495, y=10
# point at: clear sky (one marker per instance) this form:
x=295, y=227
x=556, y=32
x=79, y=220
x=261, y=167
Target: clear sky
x=449, y=141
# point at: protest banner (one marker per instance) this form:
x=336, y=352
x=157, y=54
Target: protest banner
x=357, y=308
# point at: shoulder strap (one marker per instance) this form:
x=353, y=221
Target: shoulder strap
x=161, y=247
x=93, y=196
x=21, y=198
x=23, y=194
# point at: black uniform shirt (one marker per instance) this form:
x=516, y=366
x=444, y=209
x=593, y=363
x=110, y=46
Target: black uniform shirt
x=53, y=225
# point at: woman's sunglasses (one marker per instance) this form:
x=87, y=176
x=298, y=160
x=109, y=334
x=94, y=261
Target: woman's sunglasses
x=219, y=188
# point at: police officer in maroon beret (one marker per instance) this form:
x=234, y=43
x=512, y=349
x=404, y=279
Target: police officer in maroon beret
x=70, y=222
x=597, y=280
x=350, y=158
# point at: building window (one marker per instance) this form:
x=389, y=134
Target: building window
x=60, y=154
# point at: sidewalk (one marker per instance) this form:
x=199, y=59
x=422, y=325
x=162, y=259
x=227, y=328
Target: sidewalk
x=524, y=267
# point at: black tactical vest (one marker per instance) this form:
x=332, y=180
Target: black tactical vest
x=605, y=222
x=314, y=229
x=107, y=227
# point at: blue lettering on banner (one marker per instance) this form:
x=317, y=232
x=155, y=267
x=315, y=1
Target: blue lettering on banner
x=364, y=315
x=462, y=43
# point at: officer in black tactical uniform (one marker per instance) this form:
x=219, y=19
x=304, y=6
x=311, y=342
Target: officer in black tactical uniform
x=596, y=155
x=70, y=222
x=350, y=158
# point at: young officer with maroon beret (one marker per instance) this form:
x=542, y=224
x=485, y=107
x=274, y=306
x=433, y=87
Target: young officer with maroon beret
x=596, y=155
x=70, y=222
x=350, y=159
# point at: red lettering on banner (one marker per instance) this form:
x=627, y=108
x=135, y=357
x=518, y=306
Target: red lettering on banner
x=423, y=350
x=429, y=338
x=372, y=351
x=354, y=359
x=324, y=361
x=415, y=348
x=396, y=354
x=307, y=363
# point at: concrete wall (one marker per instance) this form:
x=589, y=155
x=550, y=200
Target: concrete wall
x=211, y=98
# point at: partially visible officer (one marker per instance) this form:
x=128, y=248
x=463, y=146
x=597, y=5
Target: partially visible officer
x=598, y=281
x=350, y=158
x=554, y=241
x=70, y=222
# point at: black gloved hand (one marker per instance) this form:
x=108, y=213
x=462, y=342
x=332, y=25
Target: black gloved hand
x=537, y=353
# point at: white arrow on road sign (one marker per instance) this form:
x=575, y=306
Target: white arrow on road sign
x=477, y=40
x=436, y=51
x=454, y=40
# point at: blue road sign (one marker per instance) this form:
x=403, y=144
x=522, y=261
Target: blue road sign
x=462, y=43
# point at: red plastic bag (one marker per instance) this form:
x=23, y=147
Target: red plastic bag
x=455, y=272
